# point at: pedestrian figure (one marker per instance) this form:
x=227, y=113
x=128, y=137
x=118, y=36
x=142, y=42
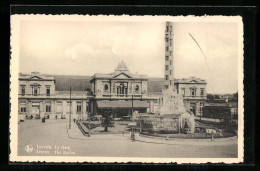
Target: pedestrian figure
x=56, y=117
x=133, y=136
x=212, y=136
x=74, y=120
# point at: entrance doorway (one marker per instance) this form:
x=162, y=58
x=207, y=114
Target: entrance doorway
x=193, y=108
x=35, y=108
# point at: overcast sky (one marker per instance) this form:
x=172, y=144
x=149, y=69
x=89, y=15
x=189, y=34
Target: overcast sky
x=89, y=47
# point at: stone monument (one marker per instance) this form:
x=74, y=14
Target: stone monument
x=171, y=103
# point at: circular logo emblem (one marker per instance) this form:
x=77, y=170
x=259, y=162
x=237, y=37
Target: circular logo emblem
x=28, y=148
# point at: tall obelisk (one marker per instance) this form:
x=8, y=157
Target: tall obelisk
x=169, y=59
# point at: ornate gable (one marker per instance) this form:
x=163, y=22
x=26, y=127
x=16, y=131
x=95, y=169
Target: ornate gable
x=122, y=75
x=193, y=81
x=35, y=78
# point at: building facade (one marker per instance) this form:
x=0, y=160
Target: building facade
x=120, y=93
x=193, y=90
x=37, y=96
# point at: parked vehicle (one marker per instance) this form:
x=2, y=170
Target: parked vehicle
x=46, y=116
x=29, y=116
x=63, y=116
x=37, y=116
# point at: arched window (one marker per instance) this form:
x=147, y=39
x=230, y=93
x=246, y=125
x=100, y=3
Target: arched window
x=106, y=87
x=137, y=88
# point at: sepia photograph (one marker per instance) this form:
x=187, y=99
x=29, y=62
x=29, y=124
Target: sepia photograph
x=154, y=89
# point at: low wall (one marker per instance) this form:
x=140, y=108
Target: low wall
x=190, y=136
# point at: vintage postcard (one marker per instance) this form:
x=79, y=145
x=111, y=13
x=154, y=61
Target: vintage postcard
x=150, y=89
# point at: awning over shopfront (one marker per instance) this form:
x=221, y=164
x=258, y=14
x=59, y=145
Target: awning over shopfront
x=122, y=104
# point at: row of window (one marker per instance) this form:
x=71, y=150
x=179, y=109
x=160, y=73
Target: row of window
x=36, y=90
x=58, y=107
x=193, y=92
x=122, y=89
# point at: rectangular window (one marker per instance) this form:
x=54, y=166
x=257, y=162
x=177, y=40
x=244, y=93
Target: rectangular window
x=170, y=72
x=170, y=53
x=35, y=91
x=48, y=91
x=167, y=48
x=166, y=67
x=170, y=62
x=183, y=91
x=170, y=43
x=59, y=107
x=48, y=107
x=167, y=39
x=78, y=107
x=166, y=77
x=193, y=92
x=202, y=92
x=167, y=28
x=23, y=90
x=23, y=107
x=166, y=58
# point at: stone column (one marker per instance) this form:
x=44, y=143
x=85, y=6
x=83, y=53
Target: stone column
x=30, y=108
x=197, y=108
x=52, y=109
x=152, y=106
x=41, y=109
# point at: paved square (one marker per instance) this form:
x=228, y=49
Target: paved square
x=53, y=138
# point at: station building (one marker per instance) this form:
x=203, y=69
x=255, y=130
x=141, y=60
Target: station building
x=120, y=93
x=37, y=96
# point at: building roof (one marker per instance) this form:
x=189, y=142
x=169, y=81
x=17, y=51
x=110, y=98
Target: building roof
x=190, y=80
x=77, y=83
x=120, y=72
x=35, y=76
x=82, y=83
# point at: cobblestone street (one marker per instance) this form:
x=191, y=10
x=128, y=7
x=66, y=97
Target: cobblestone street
x=53, y=138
